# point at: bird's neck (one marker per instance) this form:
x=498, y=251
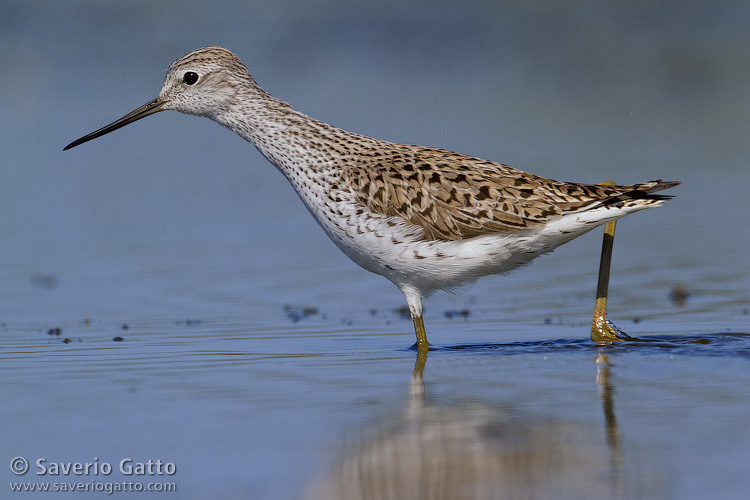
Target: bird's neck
x=287, y=138
x=282, y=134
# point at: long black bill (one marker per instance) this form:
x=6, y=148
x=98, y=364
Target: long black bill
x=149, y=108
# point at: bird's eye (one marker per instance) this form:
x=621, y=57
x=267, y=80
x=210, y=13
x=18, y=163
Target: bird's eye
x=190, y=77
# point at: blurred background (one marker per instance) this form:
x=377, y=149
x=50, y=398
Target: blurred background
x=253, y=348
x=580, y=92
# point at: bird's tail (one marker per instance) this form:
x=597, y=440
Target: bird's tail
x=639, y=194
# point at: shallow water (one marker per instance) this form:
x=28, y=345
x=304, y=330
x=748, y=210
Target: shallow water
x=328, y=410
x=206, y=321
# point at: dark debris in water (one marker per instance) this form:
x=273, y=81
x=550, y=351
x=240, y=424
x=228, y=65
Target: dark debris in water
x=679, y=295
x=54, y=331
x=403, y=312
x=298, y=313
x=186, y=322
x=715, y=344
x=462, y=313
x=117, y=339
x=43, y=280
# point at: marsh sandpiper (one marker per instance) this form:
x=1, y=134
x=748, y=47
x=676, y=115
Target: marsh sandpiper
x=427, y=219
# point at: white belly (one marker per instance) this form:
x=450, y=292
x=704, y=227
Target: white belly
x=396, y=251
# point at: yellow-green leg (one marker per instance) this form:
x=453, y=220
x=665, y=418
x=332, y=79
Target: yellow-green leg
x=414, y=299
x=603, y=330
x=422, y=344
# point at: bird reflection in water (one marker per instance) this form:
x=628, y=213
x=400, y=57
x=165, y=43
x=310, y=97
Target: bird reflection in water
x=482, y=451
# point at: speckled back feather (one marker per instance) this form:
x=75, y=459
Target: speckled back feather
x=454, y=196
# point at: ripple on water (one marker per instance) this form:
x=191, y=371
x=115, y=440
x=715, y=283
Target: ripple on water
x=713, y=344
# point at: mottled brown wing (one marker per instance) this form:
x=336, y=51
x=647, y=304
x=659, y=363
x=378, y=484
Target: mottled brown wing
x=453, y=196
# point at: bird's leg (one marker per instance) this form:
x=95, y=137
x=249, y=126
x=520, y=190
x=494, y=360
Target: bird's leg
x=422, y=344
x=414, y=299
x=603, y=330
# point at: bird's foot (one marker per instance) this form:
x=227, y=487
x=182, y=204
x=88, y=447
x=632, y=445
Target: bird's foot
x=603, y=330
